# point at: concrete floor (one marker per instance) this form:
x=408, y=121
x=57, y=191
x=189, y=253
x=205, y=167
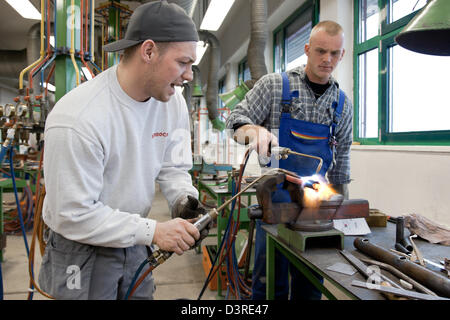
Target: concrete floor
x=181, y=277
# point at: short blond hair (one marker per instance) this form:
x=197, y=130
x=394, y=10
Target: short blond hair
x=330, y=27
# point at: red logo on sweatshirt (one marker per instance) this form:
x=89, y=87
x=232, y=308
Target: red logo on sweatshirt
x=159, y=134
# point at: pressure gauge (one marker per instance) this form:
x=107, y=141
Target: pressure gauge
x=22, y=110
x=10, y=110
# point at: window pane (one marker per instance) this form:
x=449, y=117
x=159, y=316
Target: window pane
x=247, y=74
x=401, y=8
x=369, y=19
x=419, y=91
x=297, y=35
x=368, y=94
x=278, y=51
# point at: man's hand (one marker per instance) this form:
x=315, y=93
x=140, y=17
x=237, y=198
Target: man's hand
x=177, y=235
x=258, y=137
x=187, y=207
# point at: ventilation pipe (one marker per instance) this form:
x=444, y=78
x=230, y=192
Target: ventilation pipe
x=258, y=38
x=255, y=54
x=213, y=86
x=197, y=89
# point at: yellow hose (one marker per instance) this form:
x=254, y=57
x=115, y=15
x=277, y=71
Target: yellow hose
x=42, y=54
x=72, y=42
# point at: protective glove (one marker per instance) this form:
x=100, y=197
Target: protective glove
x=187, y=207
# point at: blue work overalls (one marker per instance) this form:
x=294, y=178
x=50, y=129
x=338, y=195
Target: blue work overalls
x=308, y=138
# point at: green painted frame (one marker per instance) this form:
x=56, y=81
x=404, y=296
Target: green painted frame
x=383, y=42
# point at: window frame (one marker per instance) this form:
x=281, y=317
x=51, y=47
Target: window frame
x=308, y=4
x=382, y=42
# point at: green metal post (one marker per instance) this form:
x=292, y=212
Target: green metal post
x=113, y=32
x=65, y=75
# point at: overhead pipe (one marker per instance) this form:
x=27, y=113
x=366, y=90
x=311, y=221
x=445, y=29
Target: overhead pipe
x=258, y=37
x=42, y=53
x=213, y=86
x=55, y=34
x=49, y=50
x=84, y=28
x=72, y=42
x=255, y=54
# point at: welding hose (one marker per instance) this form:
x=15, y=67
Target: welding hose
x=238, y=282
x=37, y=229
x=233, y=199
x=130, y=290
x=19, y=211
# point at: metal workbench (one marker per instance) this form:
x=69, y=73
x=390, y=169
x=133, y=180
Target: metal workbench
x=320, y=258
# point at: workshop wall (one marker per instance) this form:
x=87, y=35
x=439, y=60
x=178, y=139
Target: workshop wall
x=400, y=180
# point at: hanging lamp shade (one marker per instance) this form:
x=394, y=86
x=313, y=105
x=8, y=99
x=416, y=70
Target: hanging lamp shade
x=429, y=31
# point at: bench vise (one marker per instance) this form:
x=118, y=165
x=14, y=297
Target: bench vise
x=296, y=212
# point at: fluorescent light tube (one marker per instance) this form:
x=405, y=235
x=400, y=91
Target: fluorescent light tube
x=216, y=13
x=201, y=48
x=25, y=9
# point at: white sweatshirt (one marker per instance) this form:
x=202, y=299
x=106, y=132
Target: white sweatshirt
x=103, y=153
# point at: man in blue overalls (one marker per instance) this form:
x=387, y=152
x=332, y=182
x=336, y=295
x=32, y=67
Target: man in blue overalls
x=304, y=110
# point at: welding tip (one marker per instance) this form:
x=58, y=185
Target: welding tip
x=312, y=184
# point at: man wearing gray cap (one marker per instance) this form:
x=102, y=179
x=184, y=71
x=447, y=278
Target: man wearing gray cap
x=106, y=144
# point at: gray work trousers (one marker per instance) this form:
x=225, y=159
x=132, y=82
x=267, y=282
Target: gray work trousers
x=72, y=270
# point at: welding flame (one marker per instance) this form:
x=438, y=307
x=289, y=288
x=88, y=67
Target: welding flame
x=319, y=191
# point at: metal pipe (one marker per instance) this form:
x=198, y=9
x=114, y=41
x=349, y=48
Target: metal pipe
x=42, y=53
x=436, y=282
x=399, y=274
x=92, y=20
x=213, y=71
x=72, y=43
x=258, y=38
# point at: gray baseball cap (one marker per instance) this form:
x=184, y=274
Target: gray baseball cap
x=159, y=21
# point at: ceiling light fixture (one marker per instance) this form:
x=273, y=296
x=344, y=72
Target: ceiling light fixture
x=216, y=13
x=25, y=9
x=201, y=49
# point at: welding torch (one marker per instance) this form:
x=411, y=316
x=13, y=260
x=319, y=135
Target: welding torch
x=283, y=153
x=159, y=256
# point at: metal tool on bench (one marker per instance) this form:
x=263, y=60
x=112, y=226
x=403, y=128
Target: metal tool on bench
x=296, y=220
x=432, y=280
x=402, y=243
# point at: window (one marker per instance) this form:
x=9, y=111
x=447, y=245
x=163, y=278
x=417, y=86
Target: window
x=401, y=96
x=290, y=38
x=244, y=71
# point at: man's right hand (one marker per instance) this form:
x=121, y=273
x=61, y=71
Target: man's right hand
x=258, y=137
x=177, y=235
